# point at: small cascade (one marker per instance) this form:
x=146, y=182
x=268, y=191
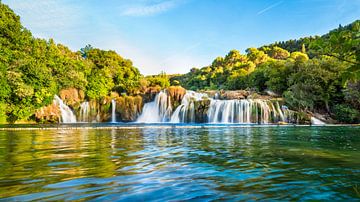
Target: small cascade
x=113, y=111
x=315, y=121
x=289, y=116
x=67, y=115
x=244, y=111
x=157, y=111
x=230, y=111
x=84, y=112
x=185, y=112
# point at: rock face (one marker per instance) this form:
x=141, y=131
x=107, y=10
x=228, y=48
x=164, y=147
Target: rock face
x=176, y=94
x=48, y=114
x=72, y=96
x=234, y=95
x=150, y=93
x=201, y=109
x=128, y=108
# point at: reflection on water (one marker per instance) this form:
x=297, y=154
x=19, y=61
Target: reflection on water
x=275, y=163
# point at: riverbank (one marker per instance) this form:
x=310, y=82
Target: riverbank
x=121, y=126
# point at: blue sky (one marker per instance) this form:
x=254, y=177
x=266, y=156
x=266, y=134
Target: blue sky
x=176, y=35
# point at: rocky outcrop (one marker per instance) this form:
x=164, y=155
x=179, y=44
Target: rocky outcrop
x=48, y=114
x=72, y=96
x=176, y=94
x=128, y=108
x=201, y=108
x=150, y=93
x=234, y=95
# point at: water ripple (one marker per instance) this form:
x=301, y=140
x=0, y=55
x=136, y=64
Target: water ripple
x=179, y=164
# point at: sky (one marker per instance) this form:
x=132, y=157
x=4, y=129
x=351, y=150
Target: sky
x=175, y=35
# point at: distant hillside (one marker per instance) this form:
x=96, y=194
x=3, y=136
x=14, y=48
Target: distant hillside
x=310, y=73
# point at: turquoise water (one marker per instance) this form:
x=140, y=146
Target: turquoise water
x=177, y=163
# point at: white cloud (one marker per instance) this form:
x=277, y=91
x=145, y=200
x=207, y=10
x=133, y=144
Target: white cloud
x=147, y=8
x=43, y=17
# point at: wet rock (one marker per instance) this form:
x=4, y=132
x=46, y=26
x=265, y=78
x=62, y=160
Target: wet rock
x=129, y=107
x=150, y=93
x=201, y=108
x=176, y=94
x=48, y=114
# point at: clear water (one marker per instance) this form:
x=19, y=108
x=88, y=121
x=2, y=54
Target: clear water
x=160, y=164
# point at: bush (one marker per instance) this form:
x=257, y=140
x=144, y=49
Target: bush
x=346, y=114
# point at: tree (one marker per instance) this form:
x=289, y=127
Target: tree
x=256, y=56
x=85, y=50
x=278, y=53
x=344, y=44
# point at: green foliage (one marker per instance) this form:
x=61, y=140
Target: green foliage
x=344, y=44
x=124, y=77
x=314, y=84
x=161, y=80
x=308, y=72
x=277, y=53
x=299, y=56
x=33, y=70
x=346, y=114
x=84, y=51
x=277, y=73
x=352, y=94
x=256, y=56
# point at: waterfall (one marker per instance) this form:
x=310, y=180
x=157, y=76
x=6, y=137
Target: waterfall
x=84, y=112
x=315, y=121
x=185, y=112
x=157, y=111
x=244, y=111
x=67, y=115
x=113, y=111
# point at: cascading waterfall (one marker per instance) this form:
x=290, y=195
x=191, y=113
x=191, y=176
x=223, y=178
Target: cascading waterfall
x=230, y=111
x=113, y=111
x=157, y=111
x=244, y=111
x=84, y=112
x=219, y=111
x=186, y=110
x=67, y=115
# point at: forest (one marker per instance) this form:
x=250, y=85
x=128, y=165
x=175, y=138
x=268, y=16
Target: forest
x=316, y=74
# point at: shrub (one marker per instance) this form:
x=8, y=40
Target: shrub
x=346, y=114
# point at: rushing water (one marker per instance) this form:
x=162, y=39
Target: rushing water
x=113, y=111
x=84, y=112
x=67, y=115
x=158, y=110
x=219, y=111
x=155, y=163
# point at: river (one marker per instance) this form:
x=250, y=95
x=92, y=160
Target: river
x=160, y=163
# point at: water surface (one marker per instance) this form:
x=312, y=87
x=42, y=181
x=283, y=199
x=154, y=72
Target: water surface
x=213, y=163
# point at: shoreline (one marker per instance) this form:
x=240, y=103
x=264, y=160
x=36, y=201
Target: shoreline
x=123, y=126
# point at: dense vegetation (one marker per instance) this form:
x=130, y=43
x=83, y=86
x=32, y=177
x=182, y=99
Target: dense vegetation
x=33, y=70
x=318, y=74
x=313, y=74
